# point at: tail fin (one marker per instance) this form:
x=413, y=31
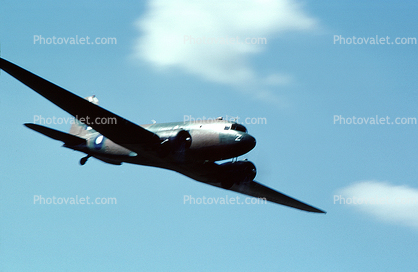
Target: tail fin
x=80, y=129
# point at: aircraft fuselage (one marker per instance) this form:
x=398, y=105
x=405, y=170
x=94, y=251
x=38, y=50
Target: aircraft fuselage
x=207, y=141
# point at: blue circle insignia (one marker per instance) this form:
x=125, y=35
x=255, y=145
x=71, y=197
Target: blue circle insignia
x=98, y=142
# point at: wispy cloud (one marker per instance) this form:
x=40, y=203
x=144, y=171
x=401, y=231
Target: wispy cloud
x=172, y=35
x=385, y=201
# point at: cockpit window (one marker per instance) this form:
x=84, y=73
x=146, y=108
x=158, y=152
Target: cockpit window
x=227, y=127
x=238, y=127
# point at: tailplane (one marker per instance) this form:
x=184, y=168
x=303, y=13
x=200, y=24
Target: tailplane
x=68, y=139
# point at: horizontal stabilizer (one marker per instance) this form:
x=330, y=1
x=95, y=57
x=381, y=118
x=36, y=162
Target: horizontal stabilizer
x=68, y=139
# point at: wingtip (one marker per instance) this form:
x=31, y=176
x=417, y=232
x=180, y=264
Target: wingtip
x=314, y=210
x=29, y=125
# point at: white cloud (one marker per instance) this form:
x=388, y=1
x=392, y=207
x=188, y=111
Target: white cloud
x=170, y=31
x=387, y=202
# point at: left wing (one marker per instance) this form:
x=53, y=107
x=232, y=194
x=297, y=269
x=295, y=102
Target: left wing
x=210, y=173
x=258, y=190
x=116, y=128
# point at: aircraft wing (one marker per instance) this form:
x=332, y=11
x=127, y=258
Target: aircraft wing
x=209, y=173
x=258, y=190
x=112, y=126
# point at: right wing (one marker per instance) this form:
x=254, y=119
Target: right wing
x=112, y=126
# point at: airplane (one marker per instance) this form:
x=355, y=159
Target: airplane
x=189, y=148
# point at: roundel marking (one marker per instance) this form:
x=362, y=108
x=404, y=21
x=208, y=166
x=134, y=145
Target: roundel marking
x=98, y=142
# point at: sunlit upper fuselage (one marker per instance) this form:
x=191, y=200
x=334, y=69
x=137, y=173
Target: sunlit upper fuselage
x=211, y=140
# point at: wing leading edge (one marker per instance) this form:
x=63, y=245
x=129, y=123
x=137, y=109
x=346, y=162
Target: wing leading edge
x=114, y=127
x=258, y=190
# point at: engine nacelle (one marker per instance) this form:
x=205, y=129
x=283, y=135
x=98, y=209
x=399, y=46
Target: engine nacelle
x=236, y=172
x=175, y=142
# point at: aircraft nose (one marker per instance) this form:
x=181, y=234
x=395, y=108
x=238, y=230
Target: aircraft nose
x=248, y=141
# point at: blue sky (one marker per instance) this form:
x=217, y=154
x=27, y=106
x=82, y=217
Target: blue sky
x=299, y=81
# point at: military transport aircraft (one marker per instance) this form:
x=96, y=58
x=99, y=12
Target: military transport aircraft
x=189, y=148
